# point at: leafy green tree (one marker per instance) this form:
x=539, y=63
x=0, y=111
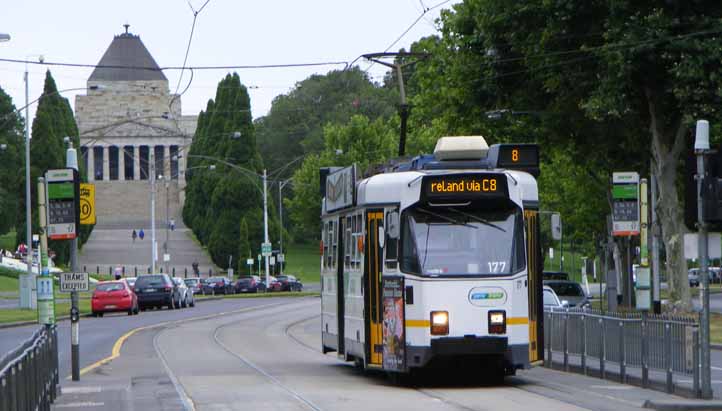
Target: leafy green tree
x=294, y=126
x=53, y=122
x=216, y=200
x=361, y=141
x=244, y=246
x=11, y=138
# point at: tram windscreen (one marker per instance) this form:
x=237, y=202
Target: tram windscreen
x=451, y=241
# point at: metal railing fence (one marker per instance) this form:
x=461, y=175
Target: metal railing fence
x=29, y=374
x=614, y=341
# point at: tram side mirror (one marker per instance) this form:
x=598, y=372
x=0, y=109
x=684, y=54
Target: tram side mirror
x=392, y=224
x=382, y=237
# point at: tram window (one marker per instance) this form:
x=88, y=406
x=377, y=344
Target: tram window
x=392, y=249
x=347, y=243
x=328, y=246
x=324, y=239
x=462, y=242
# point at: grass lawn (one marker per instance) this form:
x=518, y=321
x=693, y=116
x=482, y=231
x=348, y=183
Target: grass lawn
x=303, y=261
x=8, y=284
x=715, y=328
x=7, y=241
x=13, y=315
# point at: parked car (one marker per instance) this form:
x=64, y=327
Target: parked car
x=569, y=291
x=555, y=275
x=157, y=290
x=186, y=294
x=551, y=299
x=195, y=284
x=131, y=282
x=218, y=285
x=252, y=284
x=693, y=277
x=289, y=283
x=113, y=296
x=273, y=284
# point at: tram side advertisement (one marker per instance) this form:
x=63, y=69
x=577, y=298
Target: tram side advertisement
x=394, y=337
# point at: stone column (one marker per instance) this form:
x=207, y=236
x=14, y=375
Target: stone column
x=121, y=163
x=166, y=161
x=91, y=163
x=136, y=162
x=106, y=163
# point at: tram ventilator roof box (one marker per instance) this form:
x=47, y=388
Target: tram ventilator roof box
x=461, y=148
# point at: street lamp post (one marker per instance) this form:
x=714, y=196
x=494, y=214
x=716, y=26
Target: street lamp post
x=280, y=217
x=28, y=207
x=265, y=219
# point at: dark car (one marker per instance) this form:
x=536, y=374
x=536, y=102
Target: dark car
x=252, y=284
x=693, y=277
x=569, y=291
x=555, y=275
x=218, y=285
x=157, y=290
x=289, y=283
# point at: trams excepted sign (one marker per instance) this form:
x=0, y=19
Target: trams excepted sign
x=625, y=204
x=74, y=282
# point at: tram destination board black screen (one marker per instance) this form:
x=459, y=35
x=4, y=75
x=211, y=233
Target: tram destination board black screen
x=465, y=186
x=518, y=156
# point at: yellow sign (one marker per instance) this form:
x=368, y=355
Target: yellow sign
x=87, y=204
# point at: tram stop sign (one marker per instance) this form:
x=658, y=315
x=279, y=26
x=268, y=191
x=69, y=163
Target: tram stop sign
x=63, y=209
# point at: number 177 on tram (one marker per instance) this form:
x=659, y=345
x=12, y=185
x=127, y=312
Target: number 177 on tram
x=435, y=262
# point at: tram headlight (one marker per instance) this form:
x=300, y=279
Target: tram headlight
x=439, y=322
x=497, y=322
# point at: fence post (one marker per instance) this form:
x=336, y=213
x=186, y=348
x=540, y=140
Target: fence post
x=548, y=339
x=565, y=345
x=645, y=353
x=695, y=359
x=12, y=389
x=603, y=349
x=622, y=356
x=668, y=355
x=584, y=344
x=4, y=395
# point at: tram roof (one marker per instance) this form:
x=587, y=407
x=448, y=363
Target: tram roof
x=391, y=188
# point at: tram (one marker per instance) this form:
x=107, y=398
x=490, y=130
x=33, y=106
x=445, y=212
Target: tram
x=435, y=262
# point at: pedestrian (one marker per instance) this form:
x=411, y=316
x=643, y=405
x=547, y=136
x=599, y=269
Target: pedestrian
x=141, y=234
x=195, y=269
x=172, y=224
x=134, y=235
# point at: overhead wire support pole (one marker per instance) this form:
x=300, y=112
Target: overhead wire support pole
x=265, y=219
x=152, y=211
x=28, y=205
x=403, y=105
x=702, y=149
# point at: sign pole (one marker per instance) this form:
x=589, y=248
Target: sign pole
x=701, y=149
x=71, y=161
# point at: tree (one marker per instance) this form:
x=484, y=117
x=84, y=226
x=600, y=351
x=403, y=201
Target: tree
x=53, y=122
x=11, y=126
x=217, y=200
x=244, y=246
x=623, y=81
x=361, y=141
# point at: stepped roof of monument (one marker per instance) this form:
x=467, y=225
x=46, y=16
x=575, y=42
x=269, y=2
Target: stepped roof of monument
x=127, y=50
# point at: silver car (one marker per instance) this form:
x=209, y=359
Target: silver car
x=186, y=294
x=551, y=300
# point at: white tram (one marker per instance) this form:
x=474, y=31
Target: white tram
x=435, y=262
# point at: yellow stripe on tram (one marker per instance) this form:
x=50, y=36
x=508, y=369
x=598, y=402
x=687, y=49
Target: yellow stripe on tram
x=517, y=321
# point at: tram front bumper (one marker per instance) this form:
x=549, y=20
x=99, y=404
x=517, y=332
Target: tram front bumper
x=517, y=356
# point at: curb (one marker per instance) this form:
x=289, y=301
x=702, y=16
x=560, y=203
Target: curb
x=682, y=405
x=717, y=347
x=67, y=317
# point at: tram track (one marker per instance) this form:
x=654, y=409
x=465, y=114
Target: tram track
x=427, y=393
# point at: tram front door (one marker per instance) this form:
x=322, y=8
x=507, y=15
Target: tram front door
x=372, y=284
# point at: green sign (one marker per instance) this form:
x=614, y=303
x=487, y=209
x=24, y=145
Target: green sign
x=627, y=191
x=266, y=249
x=61, y=190
x=46, y=300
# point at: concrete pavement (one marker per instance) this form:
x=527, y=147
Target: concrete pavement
x=268, y=358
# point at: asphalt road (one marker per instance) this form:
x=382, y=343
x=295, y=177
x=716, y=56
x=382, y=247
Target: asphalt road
x=97, y=335
x=268, y=359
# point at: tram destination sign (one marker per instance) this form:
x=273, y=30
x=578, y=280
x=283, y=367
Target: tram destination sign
x=625, y=204
x=63, y=211
x=465, y=186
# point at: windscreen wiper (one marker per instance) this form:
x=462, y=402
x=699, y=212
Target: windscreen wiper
x=445, y=218
x=478, y=219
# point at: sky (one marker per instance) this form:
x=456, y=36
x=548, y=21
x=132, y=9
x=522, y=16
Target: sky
x=226, y=33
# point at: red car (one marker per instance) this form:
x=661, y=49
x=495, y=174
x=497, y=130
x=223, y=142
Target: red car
x=113, y=296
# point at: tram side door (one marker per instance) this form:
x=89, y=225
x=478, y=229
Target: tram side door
x=535, y=287
x=372, y=284
x=340, y=287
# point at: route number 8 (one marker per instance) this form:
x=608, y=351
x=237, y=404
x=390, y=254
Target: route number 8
x=515, y=155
